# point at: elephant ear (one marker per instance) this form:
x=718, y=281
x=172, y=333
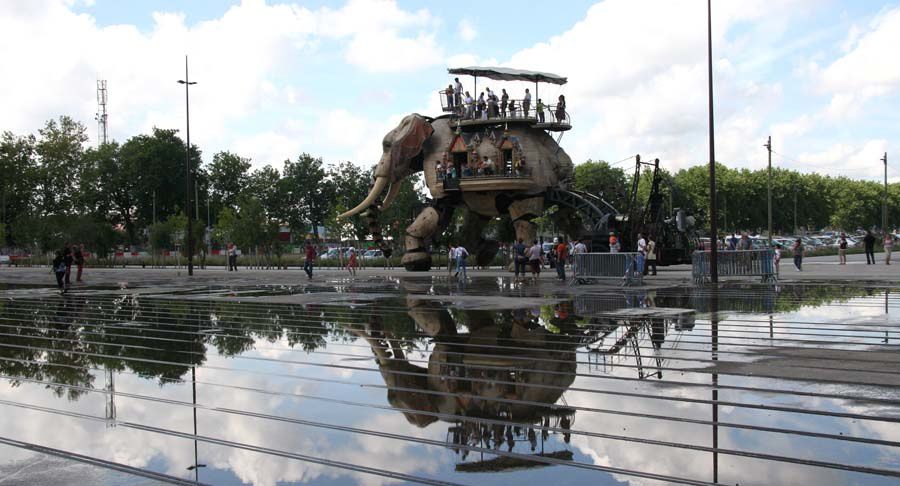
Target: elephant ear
x=409, y=141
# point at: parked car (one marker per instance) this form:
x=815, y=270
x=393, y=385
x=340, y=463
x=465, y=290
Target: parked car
x=373, y=254
x=5, y=260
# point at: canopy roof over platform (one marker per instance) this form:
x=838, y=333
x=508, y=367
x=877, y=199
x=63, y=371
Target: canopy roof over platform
x=509, y=74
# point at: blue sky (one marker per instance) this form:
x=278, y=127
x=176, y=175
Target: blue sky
x=330, y=78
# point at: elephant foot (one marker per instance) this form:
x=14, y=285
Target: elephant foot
x=486, y=251
x=416, y=262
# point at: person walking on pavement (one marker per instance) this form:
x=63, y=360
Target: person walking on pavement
x=562, y=254
x=579, y=249
x=842, y=249
x=641, y=254
x=68, y=259
x=651, y=255
x=798, y=254
x=232, y=257
x=310, y=259
x=869, y=244
x=534, y=259
x=519, y=258
x=79, y=261
x=888, y=247
x=351, y=262
x=59, y=270
x=461, y=255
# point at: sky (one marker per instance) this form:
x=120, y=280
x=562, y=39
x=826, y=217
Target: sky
x=276, y=79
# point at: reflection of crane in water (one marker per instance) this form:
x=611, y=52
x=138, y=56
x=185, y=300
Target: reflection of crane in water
x=110, y=397
x=632, y=327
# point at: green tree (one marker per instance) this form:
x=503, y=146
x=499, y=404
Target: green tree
x=59, y=150
x=155, y=163
x=18, y=172
x=228, y=174
x=351, y=186
x=308, y=194
x=600, y=179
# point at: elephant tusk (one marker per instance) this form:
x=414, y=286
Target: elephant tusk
x=380, y=183
x=392, y=193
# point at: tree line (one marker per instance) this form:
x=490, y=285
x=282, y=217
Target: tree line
x=54, y=190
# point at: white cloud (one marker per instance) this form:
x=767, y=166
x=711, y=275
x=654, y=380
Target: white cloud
x=466, y=30
x=866, y=70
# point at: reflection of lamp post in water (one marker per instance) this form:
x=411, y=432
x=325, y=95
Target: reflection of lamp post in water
x=196, y=466
x=714, y=333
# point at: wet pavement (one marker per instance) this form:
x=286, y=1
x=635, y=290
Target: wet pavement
x=384, y=380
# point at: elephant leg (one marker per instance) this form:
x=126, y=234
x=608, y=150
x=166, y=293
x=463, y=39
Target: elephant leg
x=418, y=234
x=522, y=213
x=482, y=249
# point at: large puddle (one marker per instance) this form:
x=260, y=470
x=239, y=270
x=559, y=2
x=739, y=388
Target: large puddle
x=421, y=380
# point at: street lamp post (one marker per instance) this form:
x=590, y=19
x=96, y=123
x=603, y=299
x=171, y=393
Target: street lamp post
x=187, y=161
x=884, y=208
x=768, y=146
x=713, y=211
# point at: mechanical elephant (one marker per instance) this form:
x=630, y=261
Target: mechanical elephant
x=524, y=163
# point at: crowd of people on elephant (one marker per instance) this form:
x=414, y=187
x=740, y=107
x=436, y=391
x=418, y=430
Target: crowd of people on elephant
x=490, y=105
x=481, y=168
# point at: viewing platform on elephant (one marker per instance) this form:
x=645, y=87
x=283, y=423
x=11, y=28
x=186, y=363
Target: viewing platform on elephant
x=488, y=108
x=488, y=183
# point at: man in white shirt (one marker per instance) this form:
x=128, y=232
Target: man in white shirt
x=457, y=90
x=642, y=252
x=579, y=249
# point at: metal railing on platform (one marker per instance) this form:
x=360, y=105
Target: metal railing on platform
x=512, y=110
x=741, y=263
x=626, y=267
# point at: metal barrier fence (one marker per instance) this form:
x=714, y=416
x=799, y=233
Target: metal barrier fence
x=742, y=263
x=596, y=266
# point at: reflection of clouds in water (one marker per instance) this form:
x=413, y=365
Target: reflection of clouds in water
x=174, y=454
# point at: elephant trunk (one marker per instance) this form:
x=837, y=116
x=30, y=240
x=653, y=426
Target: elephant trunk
x=379, y=186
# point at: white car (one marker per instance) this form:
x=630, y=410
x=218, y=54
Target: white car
x=373, y=254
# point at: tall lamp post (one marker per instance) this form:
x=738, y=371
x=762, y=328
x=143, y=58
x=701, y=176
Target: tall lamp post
x=187, y=161
x=768, y=146
x=884, y=217
x=713, y=211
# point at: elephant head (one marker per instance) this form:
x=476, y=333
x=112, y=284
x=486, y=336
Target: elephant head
x=402, y=156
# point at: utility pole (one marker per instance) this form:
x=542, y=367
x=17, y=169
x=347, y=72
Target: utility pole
x=768, y=146
x=713, y=211
x=189, y=169
x=884, y=208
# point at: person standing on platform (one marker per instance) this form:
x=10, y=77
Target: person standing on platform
x=310, y=259
x=526, y=103
x=539, y=108
x=451, y=97
x=457, y=91
x=504, y=101
x=561, y=109
x=869, y=243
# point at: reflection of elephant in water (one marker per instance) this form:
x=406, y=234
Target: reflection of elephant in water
x=526, y=162
x=505, y=371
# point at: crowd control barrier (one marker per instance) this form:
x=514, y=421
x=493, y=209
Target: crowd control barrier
x=599, y=266
x=741, y=263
